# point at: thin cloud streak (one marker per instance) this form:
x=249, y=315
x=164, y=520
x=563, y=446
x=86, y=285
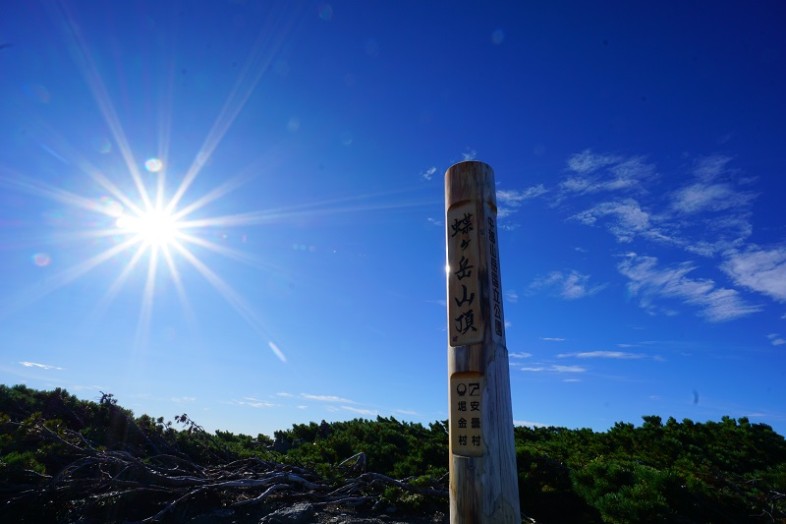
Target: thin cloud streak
x=555, y=369
x=707, y=193
x=255, y=403
x=39, y=365
x=651, y=283
x=707, y=216
x=360, y=411
x=626, y=218
x=606, y=173
x=776, y=340
x=469, y=154
x=428, y=174
x=568, y=369
x=327, y=398
x=509, y=200
x=603, y=354
x=587, y=162
x=570, y=286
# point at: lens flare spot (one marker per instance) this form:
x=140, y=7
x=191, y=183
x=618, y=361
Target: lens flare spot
x=154, y=165
x=38, y=93
x=277, y=351
x=325, y=12
x=110, y=206
x=103, y=145
x=282, y=67
x=42, y=259
x=371, y=47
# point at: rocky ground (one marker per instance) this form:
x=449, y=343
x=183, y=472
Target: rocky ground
x=308, y=513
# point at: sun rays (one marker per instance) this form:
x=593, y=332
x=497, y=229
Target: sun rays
x=150, y=220
x=155, y=226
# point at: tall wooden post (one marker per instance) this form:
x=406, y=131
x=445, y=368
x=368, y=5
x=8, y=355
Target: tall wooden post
x=483, y=476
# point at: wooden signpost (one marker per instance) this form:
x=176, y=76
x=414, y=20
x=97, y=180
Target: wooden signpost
x=483, y=477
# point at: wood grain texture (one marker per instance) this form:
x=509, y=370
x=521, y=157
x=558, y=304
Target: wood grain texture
x=483, y=484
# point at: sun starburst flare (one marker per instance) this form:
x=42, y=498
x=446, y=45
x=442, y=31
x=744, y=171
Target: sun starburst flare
x=135, y=211
x=155, y=227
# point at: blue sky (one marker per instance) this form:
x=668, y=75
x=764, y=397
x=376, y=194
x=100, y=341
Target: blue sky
x=235, y=209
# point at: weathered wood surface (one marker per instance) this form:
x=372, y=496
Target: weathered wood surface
x=483, y=478
x=116, y=486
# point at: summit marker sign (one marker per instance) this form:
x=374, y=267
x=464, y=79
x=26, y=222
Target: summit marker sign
x=483, y=476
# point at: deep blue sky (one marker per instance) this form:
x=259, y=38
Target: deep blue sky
x=639, y=160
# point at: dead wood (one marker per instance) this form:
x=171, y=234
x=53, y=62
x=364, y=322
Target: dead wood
x=98, y=485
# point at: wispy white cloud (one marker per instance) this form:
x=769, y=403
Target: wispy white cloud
x=603, y=354
x=595, y=173
x=776, y=339
x=568, y=369
x=428, y=174
x=255, y=403
x=700, y=197
x=710, y=167
x=555, y=368
x=512, y=197
x=708, y=215
x=553, y=339
x=570, y=286
x=434, y=221
x=183, y=400
x=587, y=162
x=712, y=213
x=469, y=154
x=284, y=394
x=327, y=398
x=39, y=365
x=625, y=219
x=407, y=412
x=519, y=355
x=360, y=411
x=509, y=200
x=761, y=270
x=712, y=190
x=512, y=296
x=651, y=283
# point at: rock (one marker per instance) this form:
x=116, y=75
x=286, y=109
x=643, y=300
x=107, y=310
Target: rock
x=301, y=513
x=353, y=520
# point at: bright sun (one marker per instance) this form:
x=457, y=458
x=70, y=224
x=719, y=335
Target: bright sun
x=155, y=227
